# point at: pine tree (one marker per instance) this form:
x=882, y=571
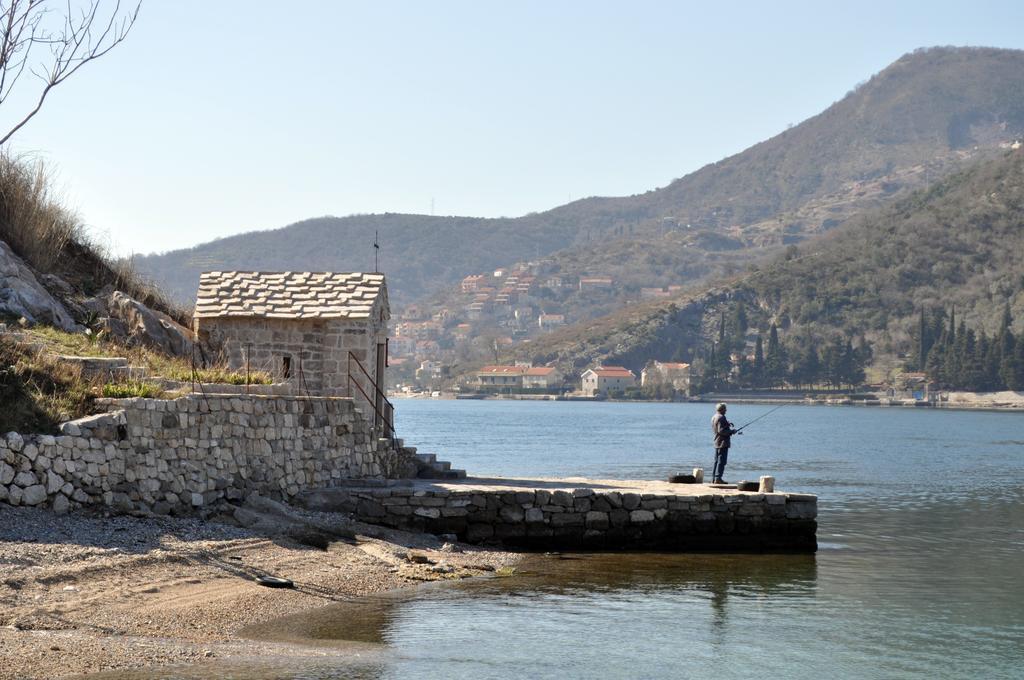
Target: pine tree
x=852, y=369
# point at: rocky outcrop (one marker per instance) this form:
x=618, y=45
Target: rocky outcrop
x=134, y=322
x=21, y=294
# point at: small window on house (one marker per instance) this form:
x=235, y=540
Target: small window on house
x=286, y=367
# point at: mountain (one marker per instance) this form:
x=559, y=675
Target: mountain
x=956, y=245
x=921, y=118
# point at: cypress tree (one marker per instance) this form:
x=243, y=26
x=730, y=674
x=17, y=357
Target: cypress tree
x=1007, y=360
x=710, y=378
x=991, y=360
x=679, y=356
x=739, y=324
x=758, y=361
x=853, y=372
x=935, y=367
x=773, y=359
x=1017, y=366
x=922, y=341
x=811, y=365
x=831, y=358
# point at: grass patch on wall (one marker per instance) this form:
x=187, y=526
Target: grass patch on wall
x=172, y=368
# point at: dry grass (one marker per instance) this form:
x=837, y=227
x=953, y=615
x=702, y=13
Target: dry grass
x=39, y=392
x=32, y=221
x=172, y=368
x=37, y=226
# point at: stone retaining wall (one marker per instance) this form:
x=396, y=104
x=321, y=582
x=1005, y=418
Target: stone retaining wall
x=190, y=454
x=585, y=518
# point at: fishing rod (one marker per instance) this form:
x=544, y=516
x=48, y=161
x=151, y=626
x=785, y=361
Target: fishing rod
x=761, y=416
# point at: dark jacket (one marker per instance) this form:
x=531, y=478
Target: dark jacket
x=723, y=430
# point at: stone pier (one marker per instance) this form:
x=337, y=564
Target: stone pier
x=576, y=513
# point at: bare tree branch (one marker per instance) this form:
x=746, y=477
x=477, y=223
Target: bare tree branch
x=84, y=35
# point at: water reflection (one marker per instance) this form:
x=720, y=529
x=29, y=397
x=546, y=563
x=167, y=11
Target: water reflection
x=921, y=530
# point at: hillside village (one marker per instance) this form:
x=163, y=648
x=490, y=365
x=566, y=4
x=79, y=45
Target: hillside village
x=491, y=312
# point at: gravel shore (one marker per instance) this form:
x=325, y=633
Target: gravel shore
x=82, y=594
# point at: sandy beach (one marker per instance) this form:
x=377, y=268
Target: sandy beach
x=82, y=594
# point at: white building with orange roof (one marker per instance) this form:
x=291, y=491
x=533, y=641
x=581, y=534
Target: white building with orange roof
x=542, y=377
x=472, y=282
x=664, y=372
x=603, y=379
x=507, y=377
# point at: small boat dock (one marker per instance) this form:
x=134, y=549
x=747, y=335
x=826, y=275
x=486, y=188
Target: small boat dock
x=584, y=514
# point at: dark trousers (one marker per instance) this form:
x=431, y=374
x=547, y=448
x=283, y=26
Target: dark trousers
x=721, y=458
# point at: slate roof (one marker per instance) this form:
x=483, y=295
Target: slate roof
x=288, y=295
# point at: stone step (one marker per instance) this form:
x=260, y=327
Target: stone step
x=426, y=457
x=455, y=474
x=441, y=465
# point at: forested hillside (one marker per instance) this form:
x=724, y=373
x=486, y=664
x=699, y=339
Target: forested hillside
x=958, y=245
x=918, y=119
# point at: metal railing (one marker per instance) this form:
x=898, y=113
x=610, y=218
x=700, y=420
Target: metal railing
x=384, y=410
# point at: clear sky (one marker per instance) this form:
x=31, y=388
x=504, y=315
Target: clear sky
x=220, y=117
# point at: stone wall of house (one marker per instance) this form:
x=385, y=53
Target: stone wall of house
x=263, y=344
x=318, y=350
x=585, y=518
x=193, y=453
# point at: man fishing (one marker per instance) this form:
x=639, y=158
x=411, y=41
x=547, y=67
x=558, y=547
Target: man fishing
x=723, y=431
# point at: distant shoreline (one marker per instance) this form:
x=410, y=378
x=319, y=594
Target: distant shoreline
x=956, y=401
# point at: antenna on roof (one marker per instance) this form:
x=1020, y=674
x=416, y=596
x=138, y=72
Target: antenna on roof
x=376, y=253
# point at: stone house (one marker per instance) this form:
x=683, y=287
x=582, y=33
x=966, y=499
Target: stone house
x=602, y=379
x=325, y=333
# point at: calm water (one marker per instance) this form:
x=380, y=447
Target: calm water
x=921, y=527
